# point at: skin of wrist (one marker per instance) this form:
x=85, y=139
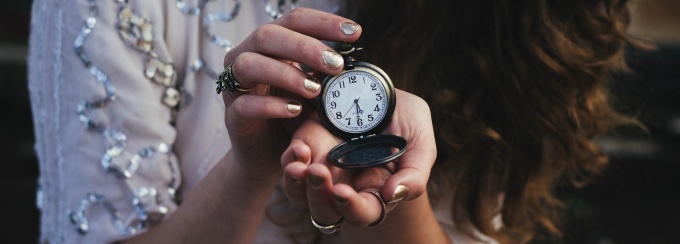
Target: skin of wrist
x=231, y=167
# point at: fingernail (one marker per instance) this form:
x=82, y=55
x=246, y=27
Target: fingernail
x=295, y=156
x=340, y=200
x=293, y=180
x=331, y=59
x=294, y=107
x=315, y=179
x=312, y=84
x=349, y=27
x=399, y=194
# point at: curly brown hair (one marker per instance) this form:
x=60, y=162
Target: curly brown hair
x=518, y=91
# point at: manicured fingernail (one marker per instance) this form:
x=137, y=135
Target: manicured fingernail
x=332, y=60
x=293, y=180
x=315, y=179
x=294, y=107
x=399, y=194
x=349, y=27
x=340, y=200
x=296, y=157
x=312, y=84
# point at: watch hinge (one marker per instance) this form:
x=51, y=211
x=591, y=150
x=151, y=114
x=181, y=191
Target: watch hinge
x=362, y=137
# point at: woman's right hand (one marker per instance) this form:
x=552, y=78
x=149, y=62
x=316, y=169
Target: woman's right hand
x=228, y=204
x=268, y=60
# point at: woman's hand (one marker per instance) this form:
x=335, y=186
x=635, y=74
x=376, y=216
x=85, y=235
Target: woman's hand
x=332, y=193
x=268, y=60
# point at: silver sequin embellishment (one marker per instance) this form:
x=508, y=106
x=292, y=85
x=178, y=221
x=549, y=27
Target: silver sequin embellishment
x=110, y=90
x=138, y=33
x=280, y=9
x=206, y=22
x=79, y=218
x=182, y=6
x=224, y=17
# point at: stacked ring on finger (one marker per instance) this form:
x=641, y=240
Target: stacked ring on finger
x=227, y=81
x=383, y=212
x=328, y=229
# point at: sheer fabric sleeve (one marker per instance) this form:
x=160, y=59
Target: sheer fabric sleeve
x=101, y=85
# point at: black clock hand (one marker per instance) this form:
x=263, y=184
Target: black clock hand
x=359, y=111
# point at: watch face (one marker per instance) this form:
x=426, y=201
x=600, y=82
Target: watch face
x=358, y=101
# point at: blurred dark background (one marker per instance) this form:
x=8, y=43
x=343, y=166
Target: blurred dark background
x=636, y=200
x=19, y=165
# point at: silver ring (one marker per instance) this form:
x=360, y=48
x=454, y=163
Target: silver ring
x=227, y=81
x=327, y=229
x=383, y=213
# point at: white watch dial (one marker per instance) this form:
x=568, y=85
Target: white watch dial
x=356, y=101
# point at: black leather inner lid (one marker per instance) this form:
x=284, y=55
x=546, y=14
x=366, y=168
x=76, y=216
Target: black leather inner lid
x=367, y=152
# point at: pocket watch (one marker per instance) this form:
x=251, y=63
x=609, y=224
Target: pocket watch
x=356, y=105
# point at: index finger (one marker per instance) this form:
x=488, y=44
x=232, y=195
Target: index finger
x=296, y=37
x=320, y=25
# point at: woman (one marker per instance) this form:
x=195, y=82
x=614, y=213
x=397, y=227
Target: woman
x=128, y=126
x=518, y=91
x=493, y=143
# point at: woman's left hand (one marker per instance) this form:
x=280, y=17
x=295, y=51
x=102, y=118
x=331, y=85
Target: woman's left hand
x=333, y=193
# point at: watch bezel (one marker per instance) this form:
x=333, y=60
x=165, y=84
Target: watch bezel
x=391, y=102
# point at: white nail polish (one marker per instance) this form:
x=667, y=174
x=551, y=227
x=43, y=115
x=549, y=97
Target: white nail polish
x=349, y=27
